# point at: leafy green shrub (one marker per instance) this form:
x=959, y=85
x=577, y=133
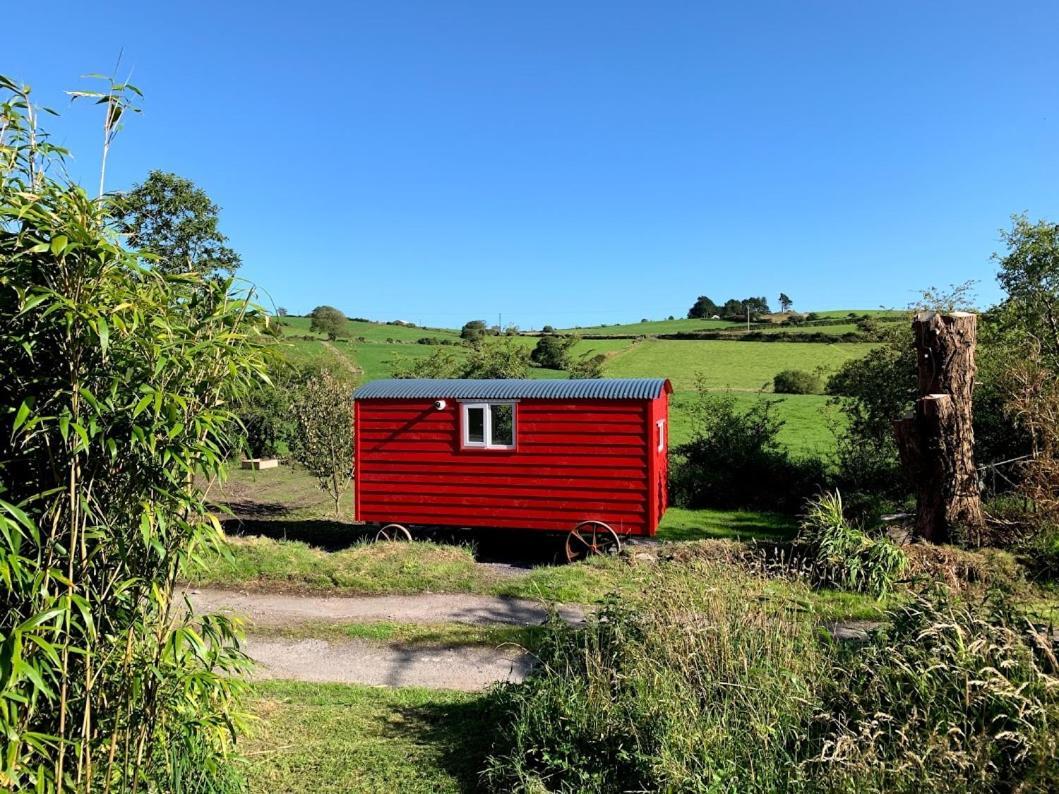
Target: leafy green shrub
x=553, y=352
x=844, y=556
x=797, y=381
x=115, y=386
x=586, y=366
x=734, y=459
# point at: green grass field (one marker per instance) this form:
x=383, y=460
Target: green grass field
x=372, y=332
x=807, y=420
x=685, y=326
x=345, y=738
x=743, y=366
x=681, y=326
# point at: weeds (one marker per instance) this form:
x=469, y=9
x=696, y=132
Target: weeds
x=709, y=682
x=952, y=696
x=845, y=556
x=699, y=683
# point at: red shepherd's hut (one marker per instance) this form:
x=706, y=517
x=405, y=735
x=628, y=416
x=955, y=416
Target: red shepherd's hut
x=586, y=457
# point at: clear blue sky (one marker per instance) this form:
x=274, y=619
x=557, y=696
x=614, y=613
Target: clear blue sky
x=565, y=162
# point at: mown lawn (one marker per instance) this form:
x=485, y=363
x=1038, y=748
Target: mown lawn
x=348, y=738
x=681, y=523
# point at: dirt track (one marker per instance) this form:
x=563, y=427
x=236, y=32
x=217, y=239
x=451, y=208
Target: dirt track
x=363, y=662
x=269, y=610
x=373, y=663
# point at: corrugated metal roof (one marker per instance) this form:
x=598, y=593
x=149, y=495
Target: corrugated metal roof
x=453, y=389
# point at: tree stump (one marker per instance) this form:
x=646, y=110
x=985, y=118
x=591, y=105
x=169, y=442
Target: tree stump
x=936, y=442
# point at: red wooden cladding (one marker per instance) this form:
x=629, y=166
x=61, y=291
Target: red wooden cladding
x=573, y=461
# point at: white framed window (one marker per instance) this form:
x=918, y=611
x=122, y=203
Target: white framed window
x=488, y=425
x=661, y=425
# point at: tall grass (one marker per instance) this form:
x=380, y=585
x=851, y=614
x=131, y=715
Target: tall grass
x=708, y=682
x=702, y=682
x=843, y=555
x=951, y=696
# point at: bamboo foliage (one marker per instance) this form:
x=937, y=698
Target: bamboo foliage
x=115, y=382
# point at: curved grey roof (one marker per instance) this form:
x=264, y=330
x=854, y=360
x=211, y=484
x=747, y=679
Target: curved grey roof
x=453, y=389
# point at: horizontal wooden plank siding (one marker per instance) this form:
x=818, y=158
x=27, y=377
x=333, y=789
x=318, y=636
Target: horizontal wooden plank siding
x=573, y=461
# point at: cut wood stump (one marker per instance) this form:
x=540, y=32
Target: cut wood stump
x=936, y=442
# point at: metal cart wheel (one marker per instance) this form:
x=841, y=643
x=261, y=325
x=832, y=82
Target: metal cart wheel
x=590, y=538
x=393, y=532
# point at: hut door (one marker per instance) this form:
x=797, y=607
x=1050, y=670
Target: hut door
x=663, y=469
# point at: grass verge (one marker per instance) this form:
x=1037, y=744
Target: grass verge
x=410, y=635
x=341, y=738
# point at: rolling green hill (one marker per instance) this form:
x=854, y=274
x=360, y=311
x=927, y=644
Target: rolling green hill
x=372, y=332
x=745, y=368
x=682, y=326
x=741, y=366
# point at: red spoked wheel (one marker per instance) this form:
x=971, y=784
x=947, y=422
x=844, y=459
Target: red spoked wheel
x=393, y=533
x=590, y=538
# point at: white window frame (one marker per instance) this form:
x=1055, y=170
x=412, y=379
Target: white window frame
x=487, y=416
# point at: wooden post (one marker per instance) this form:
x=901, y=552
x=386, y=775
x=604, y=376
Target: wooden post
x=936, y=442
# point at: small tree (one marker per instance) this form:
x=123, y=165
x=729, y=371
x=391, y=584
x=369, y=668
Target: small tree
x=703, y=308
x=553, y=352
x=281, y=312
x=586, y=366
x=323, y=414
x=735, y=459
x=1029, y=273
x=497, y=358
x=328, y=320
x=785, y=302
x=173, y=219
x=733, y=310
x=473, y=331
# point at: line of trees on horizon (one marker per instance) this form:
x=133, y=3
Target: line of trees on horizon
x=734, y=309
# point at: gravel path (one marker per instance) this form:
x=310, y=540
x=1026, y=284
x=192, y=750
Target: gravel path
x=466, y=668
x=379, y=664
x=362, y=662
x=270, y=610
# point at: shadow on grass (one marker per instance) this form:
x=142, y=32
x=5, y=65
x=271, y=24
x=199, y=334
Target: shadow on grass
x=733, y=525
x=521, y=549
x=461, y=734
x=322, y=533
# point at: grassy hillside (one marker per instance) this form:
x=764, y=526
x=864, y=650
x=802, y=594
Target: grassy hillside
x=686, y=326
x=681, y=326
x=807, y=420
x=746, y=368
x=741, y=366
x=372, y=332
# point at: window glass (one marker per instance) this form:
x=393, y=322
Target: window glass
x=503, y=425
x=476, y=425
